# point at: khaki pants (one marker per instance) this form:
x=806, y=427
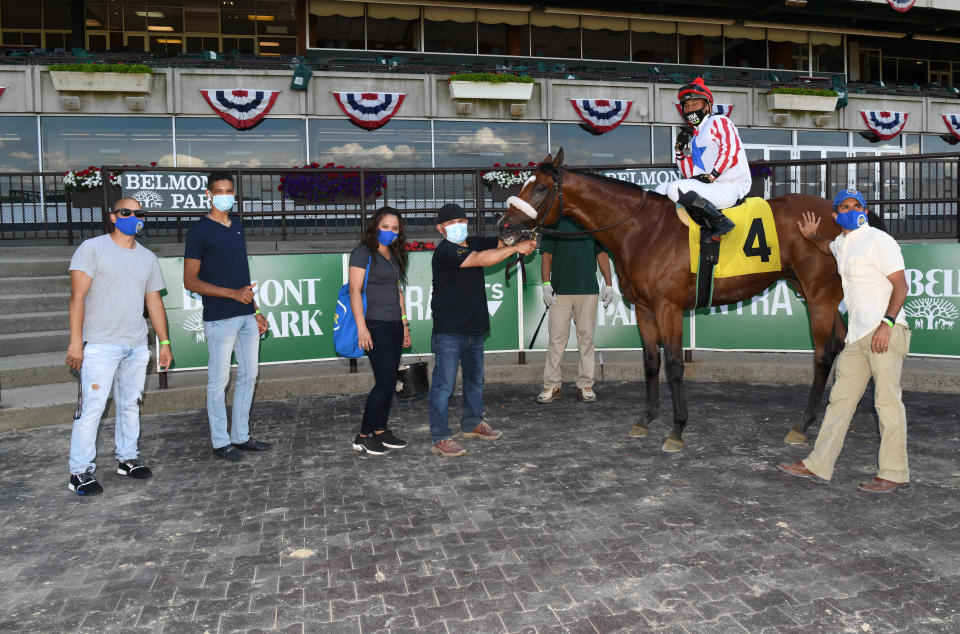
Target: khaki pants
x=855, y=365
x=583, y=310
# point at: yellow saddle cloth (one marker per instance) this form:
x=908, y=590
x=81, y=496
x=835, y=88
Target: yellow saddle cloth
x=752, y=246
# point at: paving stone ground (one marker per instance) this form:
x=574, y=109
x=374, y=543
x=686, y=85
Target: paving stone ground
x=564, y=525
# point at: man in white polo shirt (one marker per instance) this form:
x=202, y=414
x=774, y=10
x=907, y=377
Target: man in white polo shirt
x=874, y=289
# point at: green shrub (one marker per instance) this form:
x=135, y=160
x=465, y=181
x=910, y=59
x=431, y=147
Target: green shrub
x=492, y=78
x=790, y=90
x=103, y=68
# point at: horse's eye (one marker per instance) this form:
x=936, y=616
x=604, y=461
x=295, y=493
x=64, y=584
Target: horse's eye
x=541, y=188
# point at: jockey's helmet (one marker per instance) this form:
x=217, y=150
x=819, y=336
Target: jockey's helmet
x=696, y=90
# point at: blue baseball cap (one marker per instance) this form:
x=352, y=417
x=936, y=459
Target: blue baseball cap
x=849, y=193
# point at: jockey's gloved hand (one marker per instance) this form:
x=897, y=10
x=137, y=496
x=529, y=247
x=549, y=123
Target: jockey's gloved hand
x=683, y=138
x=606, y=296
x=549, y=296
x=703, y=178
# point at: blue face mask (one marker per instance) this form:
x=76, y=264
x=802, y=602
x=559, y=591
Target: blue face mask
x=457, y=232
x=387, y=238
x=853, y=219
x=131, y=225
x=224, y=202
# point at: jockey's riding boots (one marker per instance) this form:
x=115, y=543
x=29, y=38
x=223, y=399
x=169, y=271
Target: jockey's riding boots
x=720, y=223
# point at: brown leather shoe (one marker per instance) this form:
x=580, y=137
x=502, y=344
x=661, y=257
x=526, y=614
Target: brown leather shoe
x=879, y=485
x=798, y=470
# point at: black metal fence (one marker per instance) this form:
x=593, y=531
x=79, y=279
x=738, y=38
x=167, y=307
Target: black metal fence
x=917, y=195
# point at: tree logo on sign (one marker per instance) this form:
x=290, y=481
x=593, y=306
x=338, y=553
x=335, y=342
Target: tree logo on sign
x=148, y=199
x=929, y=313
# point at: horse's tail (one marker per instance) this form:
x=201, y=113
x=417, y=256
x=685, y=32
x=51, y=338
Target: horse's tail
x=876, y=221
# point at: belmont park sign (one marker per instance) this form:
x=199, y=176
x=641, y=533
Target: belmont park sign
x=166, y=191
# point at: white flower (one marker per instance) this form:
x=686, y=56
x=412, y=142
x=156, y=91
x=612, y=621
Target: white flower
x=89, y=178
x=506, y=179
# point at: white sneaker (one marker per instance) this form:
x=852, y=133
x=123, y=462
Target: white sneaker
x=549, y=395
x=587, y=395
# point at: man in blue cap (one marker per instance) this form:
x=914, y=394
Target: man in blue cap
x=878, y=338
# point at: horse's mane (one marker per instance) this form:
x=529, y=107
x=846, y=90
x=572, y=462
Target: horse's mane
x=609, y=180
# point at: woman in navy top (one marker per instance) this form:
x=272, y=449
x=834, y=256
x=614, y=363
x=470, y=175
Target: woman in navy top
x=383, y=331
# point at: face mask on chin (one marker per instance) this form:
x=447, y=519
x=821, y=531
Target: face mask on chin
x=457, y=232
x=223, y=202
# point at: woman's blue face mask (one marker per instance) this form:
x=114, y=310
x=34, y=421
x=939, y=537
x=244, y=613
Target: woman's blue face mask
x=387, y=238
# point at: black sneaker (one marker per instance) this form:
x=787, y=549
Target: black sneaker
x=134, y=469
x=229, y=452
x=253, y=445
x=85, y=484
x=369, y=444
x=389, y=440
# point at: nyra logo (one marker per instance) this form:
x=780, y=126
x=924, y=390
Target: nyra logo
x=931, y=313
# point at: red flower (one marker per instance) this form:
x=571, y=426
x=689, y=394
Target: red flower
x=153, y=163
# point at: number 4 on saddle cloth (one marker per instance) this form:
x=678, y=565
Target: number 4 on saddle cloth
x=752, y=247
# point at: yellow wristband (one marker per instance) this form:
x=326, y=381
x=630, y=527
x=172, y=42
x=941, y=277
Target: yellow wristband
x=165, y=342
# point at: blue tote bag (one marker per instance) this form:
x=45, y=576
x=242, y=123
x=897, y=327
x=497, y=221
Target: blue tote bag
x=345, y=335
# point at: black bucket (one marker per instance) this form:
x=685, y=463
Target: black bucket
x=412, y=380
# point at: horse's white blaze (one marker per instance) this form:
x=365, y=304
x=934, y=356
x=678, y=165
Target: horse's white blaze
x=532, y=178
x=522, y=205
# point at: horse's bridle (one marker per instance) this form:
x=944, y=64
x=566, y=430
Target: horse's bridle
x=556, y=194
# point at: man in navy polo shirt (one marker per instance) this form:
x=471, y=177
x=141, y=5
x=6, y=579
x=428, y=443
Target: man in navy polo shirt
x=215, y=266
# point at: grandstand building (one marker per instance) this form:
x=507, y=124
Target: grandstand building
x=879, y=57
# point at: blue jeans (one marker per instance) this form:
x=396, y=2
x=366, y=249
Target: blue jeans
x=102, y=363
x=448, y=351
x=240, y=336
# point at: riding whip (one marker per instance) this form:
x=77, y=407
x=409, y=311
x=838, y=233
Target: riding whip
x=537, y=331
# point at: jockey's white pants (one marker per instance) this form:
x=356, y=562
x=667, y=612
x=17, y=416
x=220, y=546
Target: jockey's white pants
x=722, y=195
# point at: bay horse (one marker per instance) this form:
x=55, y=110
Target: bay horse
x=652, y=258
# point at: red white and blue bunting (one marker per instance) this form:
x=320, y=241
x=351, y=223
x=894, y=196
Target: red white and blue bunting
x=726, y=109
x=953, y=124
x=369, y=110
x=901, y=6
x=884, y=123
x=601, y=115
x=2, y=88
x=242, y=108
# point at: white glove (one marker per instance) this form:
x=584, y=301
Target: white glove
x=549, y=297
x=606, y=296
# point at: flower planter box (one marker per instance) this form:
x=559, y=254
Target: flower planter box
x=487, y=90
x=93, y=198
x=100, y=82
x=807, y=103
x=499, y=193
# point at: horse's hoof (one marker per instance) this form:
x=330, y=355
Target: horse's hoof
x=638, y=431
x=672, y=445
x=795, y=438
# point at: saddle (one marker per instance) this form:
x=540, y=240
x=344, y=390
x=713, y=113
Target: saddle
x=752, y=247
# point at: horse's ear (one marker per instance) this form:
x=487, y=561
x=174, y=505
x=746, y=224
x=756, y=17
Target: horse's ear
x=548, y=159
x=558, y=161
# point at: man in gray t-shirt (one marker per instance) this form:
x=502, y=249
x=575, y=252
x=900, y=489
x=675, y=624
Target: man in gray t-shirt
x=112, y=278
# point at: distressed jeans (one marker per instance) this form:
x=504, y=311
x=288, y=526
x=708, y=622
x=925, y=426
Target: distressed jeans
x=448, y=352
x=124, y=368
x=241, y=337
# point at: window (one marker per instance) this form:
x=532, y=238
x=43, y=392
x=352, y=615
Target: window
x=76, y=142
x=662, y=144
x=654, y=41
x=397, y=144
x=605, y=38
x=449, y=30
x=625, y=144
x=744, y=47
x=18, y=144
x=555, y=35
x=336, y=24
x=212, y=142
x=755, y=136
x=503, y=33
x=821, y=139
x=393, y=27
x=787, y=49
x=827, y=52
x=701, y=44
x=481, y=144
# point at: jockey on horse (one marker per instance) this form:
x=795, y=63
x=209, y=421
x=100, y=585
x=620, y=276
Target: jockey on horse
x=716, y=175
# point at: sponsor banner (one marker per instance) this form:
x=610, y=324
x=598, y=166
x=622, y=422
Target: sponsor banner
x=646, y=178
x=616, y=325
x=297, y=295
x=166, y=191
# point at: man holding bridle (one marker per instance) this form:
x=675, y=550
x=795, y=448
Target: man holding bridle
x=715, y=174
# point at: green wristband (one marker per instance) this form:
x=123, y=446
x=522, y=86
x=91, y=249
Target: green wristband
x=546, y=284
x=887, y=321
x=165, y=342
x=256, y=312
